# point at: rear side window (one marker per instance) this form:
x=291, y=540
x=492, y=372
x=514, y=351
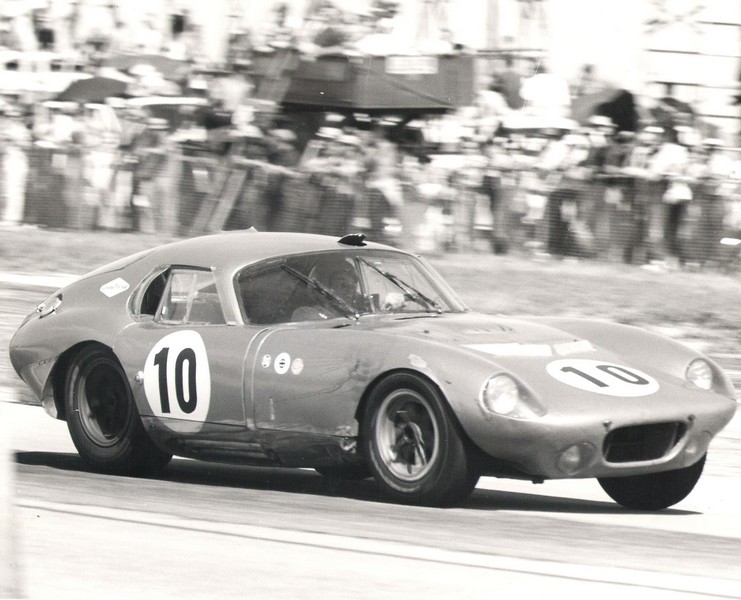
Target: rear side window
x=190, y=296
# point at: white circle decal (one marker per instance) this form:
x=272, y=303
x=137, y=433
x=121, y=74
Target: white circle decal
x=297, y=366
x=282, y=363
x=602, y=377
x=177, y=378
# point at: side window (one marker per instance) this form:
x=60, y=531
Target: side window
x=269, y=294
x=190, y=296
x=153, y=295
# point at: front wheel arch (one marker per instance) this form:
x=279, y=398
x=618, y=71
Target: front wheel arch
x=449, y=472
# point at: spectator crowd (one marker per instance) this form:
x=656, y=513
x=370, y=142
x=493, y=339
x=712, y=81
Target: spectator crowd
x=514, y=173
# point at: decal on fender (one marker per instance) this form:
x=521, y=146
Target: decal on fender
x=115, y=287
x=177, y=378
x=282, y=363
x=602, y=377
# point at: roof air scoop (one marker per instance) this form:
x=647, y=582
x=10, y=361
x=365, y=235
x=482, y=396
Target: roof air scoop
x=353, y=239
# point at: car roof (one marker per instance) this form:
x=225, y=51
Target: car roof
x=233, y=250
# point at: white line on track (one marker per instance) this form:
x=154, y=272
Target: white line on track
x=668, y=582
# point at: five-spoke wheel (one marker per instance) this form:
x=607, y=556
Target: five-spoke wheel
x=414, y=446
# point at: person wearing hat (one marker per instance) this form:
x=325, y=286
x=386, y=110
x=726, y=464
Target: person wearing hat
x=712, y=171
x=673, y=164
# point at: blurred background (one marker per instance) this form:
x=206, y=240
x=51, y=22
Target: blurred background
x=546, y=128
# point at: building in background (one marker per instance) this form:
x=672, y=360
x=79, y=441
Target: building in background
x=688, y=50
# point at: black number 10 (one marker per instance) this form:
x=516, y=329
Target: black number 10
x=620, y=373
x=187, y=355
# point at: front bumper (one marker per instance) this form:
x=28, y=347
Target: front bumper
x=607, y=446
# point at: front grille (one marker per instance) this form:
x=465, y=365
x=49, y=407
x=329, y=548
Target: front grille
x=642, y=442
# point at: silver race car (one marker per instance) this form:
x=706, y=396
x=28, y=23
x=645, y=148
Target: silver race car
x=357, y=360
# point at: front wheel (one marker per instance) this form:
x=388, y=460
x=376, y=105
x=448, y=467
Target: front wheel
x=414, y=446
x=654, y=491
x=102, y=417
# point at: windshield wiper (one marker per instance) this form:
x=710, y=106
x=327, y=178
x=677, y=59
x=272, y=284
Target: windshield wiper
x=344, y=307
x=409, y=291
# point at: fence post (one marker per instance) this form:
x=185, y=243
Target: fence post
x=9, y=560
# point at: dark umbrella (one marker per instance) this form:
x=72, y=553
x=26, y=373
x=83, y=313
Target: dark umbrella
x=93, y=89
x=171, y=68
x=616, y=103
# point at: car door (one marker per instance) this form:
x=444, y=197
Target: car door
x=305, y=375
x=308, y=379
x=184, y=362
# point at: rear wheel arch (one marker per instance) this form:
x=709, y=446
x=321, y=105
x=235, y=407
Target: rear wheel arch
x=102, y=416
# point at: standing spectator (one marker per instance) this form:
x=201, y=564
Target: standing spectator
x=626, y=216
x=546, y=94
x=78, y=215
x=673, y=163
x=98, y=165
x=563, y=164
x=468, y=180
x=14, y=141
x=712, y=174
x=492, y=110
x=498, y=183
x=282, y=152
x=600, y=132
x=510, y=83
x=123, y=179
x=149, y=197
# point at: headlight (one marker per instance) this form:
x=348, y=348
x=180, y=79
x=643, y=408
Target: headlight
x=700, y=373
x=502, y=395
x=49, y=306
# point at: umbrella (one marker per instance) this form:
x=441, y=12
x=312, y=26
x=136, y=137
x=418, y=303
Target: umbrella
x=170, y=68
x=616, y=103
x=93, y=89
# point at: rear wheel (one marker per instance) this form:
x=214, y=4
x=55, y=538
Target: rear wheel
x=414, y=446
x=102, y=417
x=654, y=491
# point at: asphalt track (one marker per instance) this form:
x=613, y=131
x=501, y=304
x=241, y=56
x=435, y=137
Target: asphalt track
x=207, y=530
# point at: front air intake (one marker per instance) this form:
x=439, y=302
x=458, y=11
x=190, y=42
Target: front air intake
x=642, y=442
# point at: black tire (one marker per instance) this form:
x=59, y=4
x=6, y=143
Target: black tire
x=103, y=420
x=347, y=472
x=655, y=491
x=413, y=444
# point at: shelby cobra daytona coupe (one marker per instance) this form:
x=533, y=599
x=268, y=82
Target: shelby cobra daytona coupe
x=356, y=359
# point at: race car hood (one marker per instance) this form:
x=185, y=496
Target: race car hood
x=589, y=357
x=490, y=334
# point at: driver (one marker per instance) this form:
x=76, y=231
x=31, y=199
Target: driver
x=342, y=279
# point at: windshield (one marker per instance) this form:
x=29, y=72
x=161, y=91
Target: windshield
x=343, y=284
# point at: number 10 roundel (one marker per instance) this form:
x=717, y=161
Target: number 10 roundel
x=177, y=379
x=603, y=378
